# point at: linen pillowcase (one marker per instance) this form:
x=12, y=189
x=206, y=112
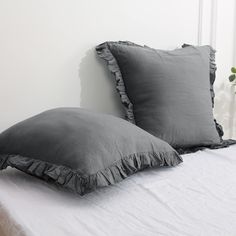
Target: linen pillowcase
x=212, y=81
x=167, y=93
x=81, y=150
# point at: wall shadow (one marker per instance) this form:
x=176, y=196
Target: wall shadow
x=98, y=90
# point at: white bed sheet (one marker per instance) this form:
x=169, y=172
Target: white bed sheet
x=198, y=197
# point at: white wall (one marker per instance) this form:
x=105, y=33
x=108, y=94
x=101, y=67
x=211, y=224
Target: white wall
x=225, y=43
x=47, y=56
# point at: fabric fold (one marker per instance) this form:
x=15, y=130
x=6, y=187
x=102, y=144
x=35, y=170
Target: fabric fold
x=213, y=69
x=104, y=52
x=82, y=184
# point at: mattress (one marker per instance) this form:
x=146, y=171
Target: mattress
x=198, y=197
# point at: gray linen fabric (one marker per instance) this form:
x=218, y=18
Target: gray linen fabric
x=81, y=150
x=167, y=93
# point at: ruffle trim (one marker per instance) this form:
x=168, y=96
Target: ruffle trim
x=224, y=144
x=82, y=184
x=104, y=52
x=212, y=73
x=213, y=69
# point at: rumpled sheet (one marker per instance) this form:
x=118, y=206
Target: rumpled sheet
x=198, y=197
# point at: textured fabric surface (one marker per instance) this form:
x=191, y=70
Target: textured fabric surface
x=194, y=198
x=81, y=150
x=213, y=68
x=167, y=93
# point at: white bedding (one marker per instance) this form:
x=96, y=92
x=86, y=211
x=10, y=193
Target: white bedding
x=198, y=197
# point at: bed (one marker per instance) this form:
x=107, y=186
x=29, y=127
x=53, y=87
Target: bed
x=198, y=197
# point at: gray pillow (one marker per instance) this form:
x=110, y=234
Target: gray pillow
x=212, y=81
x=167, y=93
x=81, y=150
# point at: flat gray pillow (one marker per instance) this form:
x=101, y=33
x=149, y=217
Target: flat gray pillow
x=167, y=93
x=81, y=150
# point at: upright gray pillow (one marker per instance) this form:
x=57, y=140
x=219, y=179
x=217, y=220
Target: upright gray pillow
x=81, y=150
x=167, y=93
